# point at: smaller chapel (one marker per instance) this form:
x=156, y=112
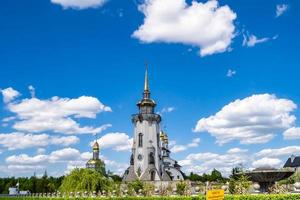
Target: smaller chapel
x=96, y=163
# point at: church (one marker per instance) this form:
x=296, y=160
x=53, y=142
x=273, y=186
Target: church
x=150, y=158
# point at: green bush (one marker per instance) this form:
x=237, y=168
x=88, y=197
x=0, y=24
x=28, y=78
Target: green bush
x=181, y=188
x=136, y=186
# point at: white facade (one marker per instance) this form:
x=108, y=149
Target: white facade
x=147, y=159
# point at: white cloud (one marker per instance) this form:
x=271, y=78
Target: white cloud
x=117, y=141
x=24, y=159
x=70, y=158
x=9, y=94
x=280, y=9
x=64, y=141
x=230, y=73
x=267, y=163
x=13, y=141
x=179, y=148
x=205, y=25
x=252, y=40
x=18, y=164
x=57, y=114
x=255, y=119
x=237, y=151
x=63, y=155
x=40, y=151
x=79, y=4
x=285, y=151
x=292, y=133
x=167, y=110
x=32, y=91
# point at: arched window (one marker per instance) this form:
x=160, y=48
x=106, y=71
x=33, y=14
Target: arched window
x=152, y=175
x=140, y=139
x=151, y=158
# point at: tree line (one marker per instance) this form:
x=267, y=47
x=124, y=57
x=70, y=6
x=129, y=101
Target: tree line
x=46, y=184
x=33, y=184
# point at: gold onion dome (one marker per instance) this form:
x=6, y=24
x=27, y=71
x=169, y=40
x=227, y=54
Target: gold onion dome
x=96, y=146
x=91, y=161
x=162, y=135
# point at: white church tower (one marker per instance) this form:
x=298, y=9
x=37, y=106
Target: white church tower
x=146, y=161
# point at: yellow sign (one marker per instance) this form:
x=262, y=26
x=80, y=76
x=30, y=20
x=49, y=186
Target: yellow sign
x=215, y=195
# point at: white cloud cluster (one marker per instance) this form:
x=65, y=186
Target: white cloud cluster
x=206, y=162
x=70, y=157
x=79, y=4
x=9, y=94
x=179, y=148
x=255, y=119
x=205, y=25
x=266, y=158
x=117, y=141
x=274, y=158
x=292, y=133
x=275, y=153
x=18, y=164
x=280, y=9
x=13, y=141
x=55, y=114
x=267, y=163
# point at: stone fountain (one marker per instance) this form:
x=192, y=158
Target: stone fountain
x=266, y=177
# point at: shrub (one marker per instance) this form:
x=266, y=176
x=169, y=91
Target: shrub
x=239, y=184
x=181, y=188
x=136, y=186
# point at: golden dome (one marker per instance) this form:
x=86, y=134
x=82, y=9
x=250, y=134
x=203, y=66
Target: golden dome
x=92, y=161
x=96, y=146
x=162, y=135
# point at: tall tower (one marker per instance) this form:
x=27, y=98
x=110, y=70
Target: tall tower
x=146, y=159
x=150, y=159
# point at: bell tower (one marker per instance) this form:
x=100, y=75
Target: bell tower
x=146, y=159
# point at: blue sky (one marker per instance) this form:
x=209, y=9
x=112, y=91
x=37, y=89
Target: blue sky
x=91, y=56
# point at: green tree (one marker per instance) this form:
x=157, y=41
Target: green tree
x=80, y=180
x=216, y=176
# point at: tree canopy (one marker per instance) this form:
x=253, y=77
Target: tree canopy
x=215, y=176
x=84, y=180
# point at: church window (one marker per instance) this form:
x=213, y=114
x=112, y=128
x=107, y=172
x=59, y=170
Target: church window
x=140, y=139
x=152, y=175
x=151, y=158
